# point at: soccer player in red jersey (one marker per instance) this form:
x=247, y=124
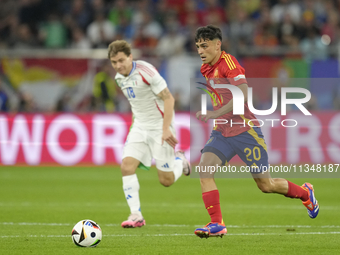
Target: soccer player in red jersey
x=228, y=140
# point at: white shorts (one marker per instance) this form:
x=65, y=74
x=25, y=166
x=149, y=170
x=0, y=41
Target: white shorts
x=144, y=145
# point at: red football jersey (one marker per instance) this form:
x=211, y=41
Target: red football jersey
x=231, y=72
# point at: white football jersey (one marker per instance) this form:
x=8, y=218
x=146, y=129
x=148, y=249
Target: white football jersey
x=141, y=87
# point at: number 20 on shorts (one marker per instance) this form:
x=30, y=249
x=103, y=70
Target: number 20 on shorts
x=256, y=153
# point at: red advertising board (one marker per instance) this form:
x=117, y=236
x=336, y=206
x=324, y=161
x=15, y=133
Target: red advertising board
x=69, y=139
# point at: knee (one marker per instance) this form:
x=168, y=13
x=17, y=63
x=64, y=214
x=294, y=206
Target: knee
x=166, y=181
x=265, y=187
x=126, y=168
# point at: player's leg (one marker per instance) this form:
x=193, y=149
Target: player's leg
x=211, y=197
x=282, y=186
x=170, y=165
x=215, y=153
x=209, y=189
x=270, y=185
x=131, y=192
x=252, y=149
x=135, y=151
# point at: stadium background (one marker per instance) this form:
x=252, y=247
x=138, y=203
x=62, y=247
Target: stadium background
x=59, y=103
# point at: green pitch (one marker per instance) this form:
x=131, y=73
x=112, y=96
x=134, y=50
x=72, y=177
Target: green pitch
x=40, y=205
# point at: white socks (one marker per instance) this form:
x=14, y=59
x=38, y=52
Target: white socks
x=131, y=191
x=178, y=168
x=131, y=187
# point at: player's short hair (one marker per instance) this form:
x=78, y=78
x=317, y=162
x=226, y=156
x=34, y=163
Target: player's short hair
x=119, y=46
x=208, y=33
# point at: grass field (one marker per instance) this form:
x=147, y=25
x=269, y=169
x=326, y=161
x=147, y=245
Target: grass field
x=40, y=205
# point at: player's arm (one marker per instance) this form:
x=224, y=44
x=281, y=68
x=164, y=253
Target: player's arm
x=169, y=103
x=224, y=109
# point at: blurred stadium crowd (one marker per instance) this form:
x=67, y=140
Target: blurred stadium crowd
x=162, y=29
x=168, y=25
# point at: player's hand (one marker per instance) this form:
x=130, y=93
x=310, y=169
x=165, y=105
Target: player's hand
x=169, y=138
x=205, y=118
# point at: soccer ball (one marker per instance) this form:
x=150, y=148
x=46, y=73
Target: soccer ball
x=86, y=233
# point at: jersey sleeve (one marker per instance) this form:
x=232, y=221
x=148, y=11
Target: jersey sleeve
x=236, y=77
x=234, y=72
x=152, y=78
x=158, y=84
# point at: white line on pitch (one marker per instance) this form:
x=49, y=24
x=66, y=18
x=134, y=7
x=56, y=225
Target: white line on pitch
x=238, y=234
x=174, y=225
x=153, y=235
x=35, y=224
x=232, y=207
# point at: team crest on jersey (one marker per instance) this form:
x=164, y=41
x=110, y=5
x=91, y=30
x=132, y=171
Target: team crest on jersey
x=216, y=73
x=216, y=77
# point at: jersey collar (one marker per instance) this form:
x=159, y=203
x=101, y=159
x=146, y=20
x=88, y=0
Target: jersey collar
x=133, y=67
x=120, y=76
x=219, y=60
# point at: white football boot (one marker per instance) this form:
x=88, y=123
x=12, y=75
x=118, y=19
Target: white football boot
x=186, y=163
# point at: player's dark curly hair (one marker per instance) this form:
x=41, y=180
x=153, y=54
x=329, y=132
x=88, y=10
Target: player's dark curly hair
x=209, y=32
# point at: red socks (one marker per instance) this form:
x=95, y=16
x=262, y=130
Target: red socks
x=295, y=191
x=212, y=204
x=212, y=200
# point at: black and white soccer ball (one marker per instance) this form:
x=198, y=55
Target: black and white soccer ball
x=86, y=233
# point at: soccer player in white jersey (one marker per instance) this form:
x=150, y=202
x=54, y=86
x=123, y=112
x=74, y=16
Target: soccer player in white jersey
x=152, y=134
